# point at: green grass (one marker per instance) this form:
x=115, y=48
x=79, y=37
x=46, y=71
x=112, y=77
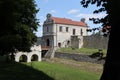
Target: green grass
x=18, y=71
x=44, y=71
x=64, y=72
x=81, y=50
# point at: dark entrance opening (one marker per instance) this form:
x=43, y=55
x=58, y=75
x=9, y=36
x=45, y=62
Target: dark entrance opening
x=23, y=58
x=47, y=42
x=59, y=44
x=34, y=57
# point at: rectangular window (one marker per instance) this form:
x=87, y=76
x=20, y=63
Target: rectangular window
x=47, y=29
x=67, y=29
x=81, y=32
x=73, y=31
x=60, y=28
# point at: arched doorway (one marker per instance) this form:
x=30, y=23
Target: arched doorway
x=47, y=42
x=34, y=57
x=59, y=44
x=23, y=58
x=68, y=43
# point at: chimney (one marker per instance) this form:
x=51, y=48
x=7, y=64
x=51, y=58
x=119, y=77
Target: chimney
x=83, y=20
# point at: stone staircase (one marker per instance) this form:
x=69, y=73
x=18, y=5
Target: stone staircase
x=50, y=53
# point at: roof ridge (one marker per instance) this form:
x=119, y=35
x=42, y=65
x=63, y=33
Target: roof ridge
x=68, y=21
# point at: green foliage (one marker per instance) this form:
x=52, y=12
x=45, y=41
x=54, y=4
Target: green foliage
x=18, y=25
x=102, y=7
x=11, y=42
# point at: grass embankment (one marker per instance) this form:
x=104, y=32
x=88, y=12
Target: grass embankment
x=81, y=50
x=46, y=71
x=65, y=72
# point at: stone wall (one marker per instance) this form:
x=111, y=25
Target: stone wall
x=76, y=41
x=98, y=42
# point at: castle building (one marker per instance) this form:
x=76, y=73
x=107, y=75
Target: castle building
x=59, y=32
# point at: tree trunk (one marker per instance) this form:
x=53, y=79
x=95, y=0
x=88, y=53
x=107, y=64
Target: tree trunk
x=7, y=58
x=111, y=69
x=112, y=65
x=12, y=57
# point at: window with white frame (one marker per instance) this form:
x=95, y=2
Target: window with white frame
x=81, y=32
x=67, y=29
x=74, y=31
x=60, y=28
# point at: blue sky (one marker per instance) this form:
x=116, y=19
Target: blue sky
x=71, y=9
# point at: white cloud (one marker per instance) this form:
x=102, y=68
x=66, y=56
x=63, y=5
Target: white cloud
x=53, y=11
x=46, y=0
x=87, y=16
x=73, y=11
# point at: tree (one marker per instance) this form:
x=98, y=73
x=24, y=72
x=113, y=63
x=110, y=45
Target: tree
x=111, y=69
x=18, y=24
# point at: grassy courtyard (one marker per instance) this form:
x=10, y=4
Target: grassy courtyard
x=56, y=70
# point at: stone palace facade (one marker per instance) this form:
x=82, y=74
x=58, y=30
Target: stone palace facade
x=63, y=32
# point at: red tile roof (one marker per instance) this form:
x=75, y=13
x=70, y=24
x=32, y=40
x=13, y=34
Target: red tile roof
x=68, y=21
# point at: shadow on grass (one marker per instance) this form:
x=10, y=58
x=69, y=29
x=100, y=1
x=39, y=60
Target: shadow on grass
x=18, y=71
x=97, y=55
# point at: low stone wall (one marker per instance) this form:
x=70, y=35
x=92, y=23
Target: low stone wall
x=79, y=57
x=35, y=54
x=99, y=42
